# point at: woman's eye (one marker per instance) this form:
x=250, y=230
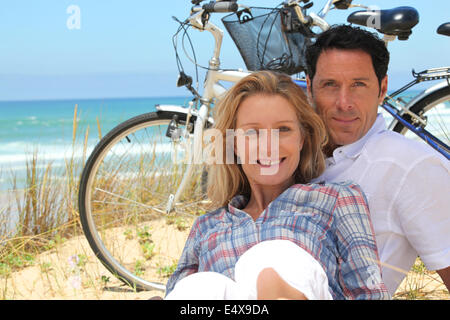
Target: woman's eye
x=250, y=132
x=284, y=129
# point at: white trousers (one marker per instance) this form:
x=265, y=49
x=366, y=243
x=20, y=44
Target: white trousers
x=294, y=265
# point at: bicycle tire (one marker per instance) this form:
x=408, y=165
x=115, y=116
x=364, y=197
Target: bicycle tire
x=436, y=107
x=123, y=191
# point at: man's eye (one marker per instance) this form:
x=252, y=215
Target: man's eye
x=329, y=84
x=359, y=84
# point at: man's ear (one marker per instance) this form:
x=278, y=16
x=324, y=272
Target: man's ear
x=383, y=89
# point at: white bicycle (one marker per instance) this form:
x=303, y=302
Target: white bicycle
x=144, y=182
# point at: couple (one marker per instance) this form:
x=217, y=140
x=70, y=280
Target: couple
x=292, y=236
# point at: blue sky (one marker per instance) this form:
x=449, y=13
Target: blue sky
x=124, y=48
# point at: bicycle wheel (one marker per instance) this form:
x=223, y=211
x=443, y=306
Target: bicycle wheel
x=124, y=189
x=436, y=108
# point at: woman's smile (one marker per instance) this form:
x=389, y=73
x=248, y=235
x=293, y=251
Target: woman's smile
x=266, y=163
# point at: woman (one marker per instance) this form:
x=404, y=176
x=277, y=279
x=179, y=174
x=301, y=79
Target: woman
x=274, y=235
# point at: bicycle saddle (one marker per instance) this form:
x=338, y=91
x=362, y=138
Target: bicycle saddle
x=444, y=29
x=397, y=21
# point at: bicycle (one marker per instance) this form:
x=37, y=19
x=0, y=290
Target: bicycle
x=135, y=193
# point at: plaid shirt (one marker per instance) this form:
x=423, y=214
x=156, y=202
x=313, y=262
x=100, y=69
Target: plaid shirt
x=330, y=221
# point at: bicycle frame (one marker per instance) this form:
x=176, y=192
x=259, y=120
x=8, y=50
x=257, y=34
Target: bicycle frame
x=421, y=132
x=212, y=90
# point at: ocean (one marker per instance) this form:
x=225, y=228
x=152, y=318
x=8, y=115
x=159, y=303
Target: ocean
x=46, y=127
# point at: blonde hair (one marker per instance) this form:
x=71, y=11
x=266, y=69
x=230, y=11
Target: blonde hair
x=228, y=180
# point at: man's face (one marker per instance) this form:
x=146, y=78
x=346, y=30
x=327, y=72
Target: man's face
x=346, y=93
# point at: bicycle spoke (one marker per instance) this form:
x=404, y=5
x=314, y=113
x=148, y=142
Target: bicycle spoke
x=130, y=200
x=435, y=109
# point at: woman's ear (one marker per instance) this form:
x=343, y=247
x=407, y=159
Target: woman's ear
x=309, y=90
x=302, y=141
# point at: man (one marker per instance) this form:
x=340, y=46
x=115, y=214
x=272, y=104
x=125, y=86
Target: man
x=407, y=183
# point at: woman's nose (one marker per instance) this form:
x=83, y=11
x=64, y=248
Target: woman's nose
x=269, y=143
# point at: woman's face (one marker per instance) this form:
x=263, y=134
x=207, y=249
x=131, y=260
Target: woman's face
x=268, y=140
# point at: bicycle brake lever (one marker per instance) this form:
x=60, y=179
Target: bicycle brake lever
x=184, y=80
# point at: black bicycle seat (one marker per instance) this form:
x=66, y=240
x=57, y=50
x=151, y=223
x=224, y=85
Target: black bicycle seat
x=397, y=21
x=444, y=29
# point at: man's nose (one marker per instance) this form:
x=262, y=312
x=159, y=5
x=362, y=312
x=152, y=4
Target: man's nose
x=344, y=100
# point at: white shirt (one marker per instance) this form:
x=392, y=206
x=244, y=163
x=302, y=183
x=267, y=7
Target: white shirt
x=407, y=185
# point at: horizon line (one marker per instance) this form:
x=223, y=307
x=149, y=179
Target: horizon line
x=92, y=98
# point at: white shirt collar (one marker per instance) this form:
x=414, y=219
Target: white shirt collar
x=354, y=149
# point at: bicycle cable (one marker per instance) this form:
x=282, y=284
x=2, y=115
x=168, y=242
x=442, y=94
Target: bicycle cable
x=175, y=45
x=192, y=60
x=274, y=64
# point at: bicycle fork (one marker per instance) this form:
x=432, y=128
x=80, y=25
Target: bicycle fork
x=194, y=156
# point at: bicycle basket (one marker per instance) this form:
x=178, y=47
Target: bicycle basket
x=269, y=39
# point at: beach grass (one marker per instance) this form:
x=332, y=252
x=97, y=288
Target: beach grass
x=44, y=249
x=36, y=217
x=47, y=215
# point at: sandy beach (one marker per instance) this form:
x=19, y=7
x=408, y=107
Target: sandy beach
x=54, y=275
x=69, y=270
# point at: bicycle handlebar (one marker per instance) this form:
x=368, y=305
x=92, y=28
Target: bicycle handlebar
x=225, y=6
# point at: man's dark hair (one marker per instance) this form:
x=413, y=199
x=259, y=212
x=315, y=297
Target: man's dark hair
x=349, y=38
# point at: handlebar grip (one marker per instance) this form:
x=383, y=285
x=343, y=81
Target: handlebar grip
x=226, y=6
